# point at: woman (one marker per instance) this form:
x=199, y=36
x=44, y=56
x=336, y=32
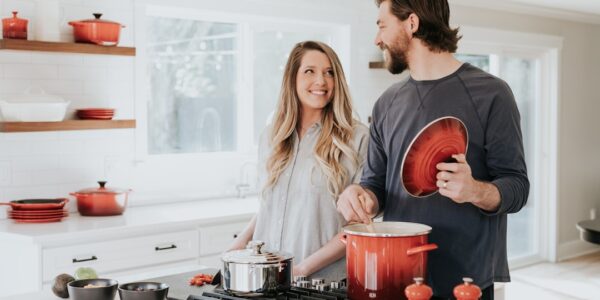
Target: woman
x=307, y=156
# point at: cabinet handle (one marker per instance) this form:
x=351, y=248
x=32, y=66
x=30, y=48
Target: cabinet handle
x=75, y=260
x=173, y=246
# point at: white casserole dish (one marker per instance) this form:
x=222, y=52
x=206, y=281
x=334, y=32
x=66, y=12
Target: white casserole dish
x=34, y=107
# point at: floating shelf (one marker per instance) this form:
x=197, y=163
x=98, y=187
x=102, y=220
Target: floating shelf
x=13, y=44
x=376, y=65
x=65, y=125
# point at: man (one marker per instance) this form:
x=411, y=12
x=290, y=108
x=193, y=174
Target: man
x=468, y=214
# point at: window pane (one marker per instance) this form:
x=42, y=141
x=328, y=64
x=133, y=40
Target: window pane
x=480, y=61
x=271, y=50
x=193, y=81
x=520, y=74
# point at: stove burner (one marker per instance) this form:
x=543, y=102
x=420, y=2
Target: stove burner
x=293, y=293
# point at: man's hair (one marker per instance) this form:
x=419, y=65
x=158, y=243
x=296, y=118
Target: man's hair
x=434, y=28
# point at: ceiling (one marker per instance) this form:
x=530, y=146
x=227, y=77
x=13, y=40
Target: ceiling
x=586, y=11
x=584, y=6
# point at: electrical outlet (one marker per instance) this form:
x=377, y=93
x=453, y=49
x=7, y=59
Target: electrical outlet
x=593, y=214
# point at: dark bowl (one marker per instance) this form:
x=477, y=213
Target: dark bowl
x=143, y=291
x=105, y=289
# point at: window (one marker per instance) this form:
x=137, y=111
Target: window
x=529, y=64
x=213, y=85
x=193, y=73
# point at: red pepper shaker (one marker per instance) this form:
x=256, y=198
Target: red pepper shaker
x=467, y=290
x=418, y=290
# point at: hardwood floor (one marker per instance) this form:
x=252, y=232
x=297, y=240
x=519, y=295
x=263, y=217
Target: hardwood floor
x=574, y=279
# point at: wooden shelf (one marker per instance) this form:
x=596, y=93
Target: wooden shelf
x=10, y=44
x=376, y=65
x=65, y=125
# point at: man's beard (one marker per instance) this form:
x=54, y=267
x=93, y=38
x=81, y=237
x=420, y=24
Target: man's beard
x=396, y=62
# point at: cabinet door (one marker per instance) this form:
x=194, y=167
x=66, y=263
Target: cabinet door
x=216, y=239
x=111, y=256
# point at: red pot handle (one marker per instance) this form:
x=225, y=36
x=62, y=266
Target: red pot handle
x=344, y=239
x=423, y=248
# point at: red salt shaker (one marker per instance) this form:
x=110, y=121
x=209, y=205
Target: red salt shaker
x=418, y=290
x=467, y=290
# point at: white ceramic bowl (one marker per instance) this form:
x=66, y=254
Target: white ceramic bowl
x=34, y=107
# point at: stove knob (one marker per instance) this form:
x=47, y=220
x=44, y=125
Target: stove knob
x=321, y=287
x=334, y=285
x=300, y=278
x=303, y=284
x=317, y=281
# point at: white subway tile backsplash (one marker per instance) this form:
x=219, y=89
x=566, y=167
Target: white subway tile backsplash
x=82, y=73
x=62, y=87
x=31, y=136
x=56, y=58
x=89, y=162
x=29, y=192
x=46, y=147
x=21, y=178
x=5, y=173
x=14, y=86
x=26, y=71
x=14, y=148
x=35, y=163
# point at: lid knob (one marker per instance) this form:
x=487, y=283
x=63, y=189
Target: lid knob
x=15, y=14
x=467, y=290
x=97, y=15
x=256, y=247
x=102, y=184
x=418, y=290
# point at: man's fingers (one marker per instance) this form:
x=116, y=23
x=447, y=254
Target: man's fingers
x=460, y=158
x=358, y=207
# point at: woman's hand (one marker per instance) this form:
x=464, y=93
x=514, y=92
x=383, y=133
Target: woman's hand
x=299, y=270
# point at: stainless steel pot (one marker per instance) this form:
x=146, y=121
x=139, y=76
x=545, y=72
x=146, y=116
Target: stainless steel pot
x=256, y=272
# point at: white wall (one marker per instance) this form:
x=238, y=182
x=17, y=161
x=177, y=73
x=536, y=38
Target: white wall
x=52, y=164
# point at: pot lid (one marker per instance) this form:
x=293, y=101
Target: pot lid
x=97, y=19
x=102, y=190
x=388, y=229
x=255, y=254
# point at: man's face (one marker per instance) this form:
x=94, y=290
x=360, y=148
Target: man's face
x=392, y=38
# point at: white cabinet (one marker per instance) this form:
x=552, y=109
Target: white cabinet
x=120, y=254
x=215, y=239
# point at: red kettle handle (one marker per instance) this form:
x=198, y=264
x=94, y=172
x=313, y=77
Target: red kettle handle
x=423, y=248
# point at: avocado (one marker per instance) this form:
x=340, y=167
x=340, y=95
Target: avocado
x=59, y=288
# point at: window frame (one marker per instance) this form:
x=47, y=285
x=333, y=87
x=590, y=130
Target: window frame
x=545, y=49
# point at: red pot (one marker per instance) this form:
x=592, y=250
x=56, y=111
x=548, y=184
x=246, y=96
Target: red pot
x=101, y=201
x=14, y=28
x=96, y=31
x=382, y=262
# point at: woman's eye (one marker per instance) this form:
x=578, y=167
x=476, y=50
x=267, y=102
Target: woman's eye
x=329, y=73
x=309, y=71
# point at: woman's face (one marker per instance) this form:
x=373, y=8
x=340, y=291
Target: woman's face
x=314, y=81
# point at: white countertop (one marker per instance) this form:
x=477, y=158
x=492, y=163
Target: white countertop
x=142, y=218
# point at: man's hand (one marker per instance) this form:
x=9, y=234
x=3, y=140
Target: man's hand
x=457, y=183
x=357, y=204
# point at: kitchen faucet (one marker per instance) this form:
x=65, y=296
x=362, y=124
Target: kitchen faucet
x=244, y=187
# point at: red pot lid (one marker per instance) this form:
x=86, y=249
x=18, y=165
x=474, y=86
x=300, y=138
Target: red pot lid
x=97, y=19
x=418, y=290
x=467, y=290
x=435, y=143
x=388, y=229
x=102, y=190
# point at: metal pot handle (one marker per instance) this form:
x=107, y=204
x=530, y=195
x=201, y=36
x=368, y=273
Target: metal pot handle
x=423, y=248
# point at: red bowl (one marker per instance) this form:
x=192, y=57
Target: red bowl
x=435, y=143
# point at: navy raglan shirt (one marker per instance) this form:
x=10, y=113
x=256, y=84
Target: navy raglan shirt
x=472, y=242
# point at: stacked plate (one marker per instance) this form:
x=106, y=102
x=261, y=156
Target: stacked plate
x=96, y=113
x=37, y=210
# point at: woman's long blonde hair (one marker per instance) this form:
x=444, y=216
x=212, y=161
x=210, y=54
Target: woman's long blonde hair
x=337, y=123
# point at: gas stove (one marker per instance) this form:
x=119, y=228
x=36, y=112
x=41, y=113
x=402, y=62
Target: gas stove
x=179, y=289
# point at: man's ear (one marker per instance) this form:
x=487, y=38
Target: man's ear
x=413, y=20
